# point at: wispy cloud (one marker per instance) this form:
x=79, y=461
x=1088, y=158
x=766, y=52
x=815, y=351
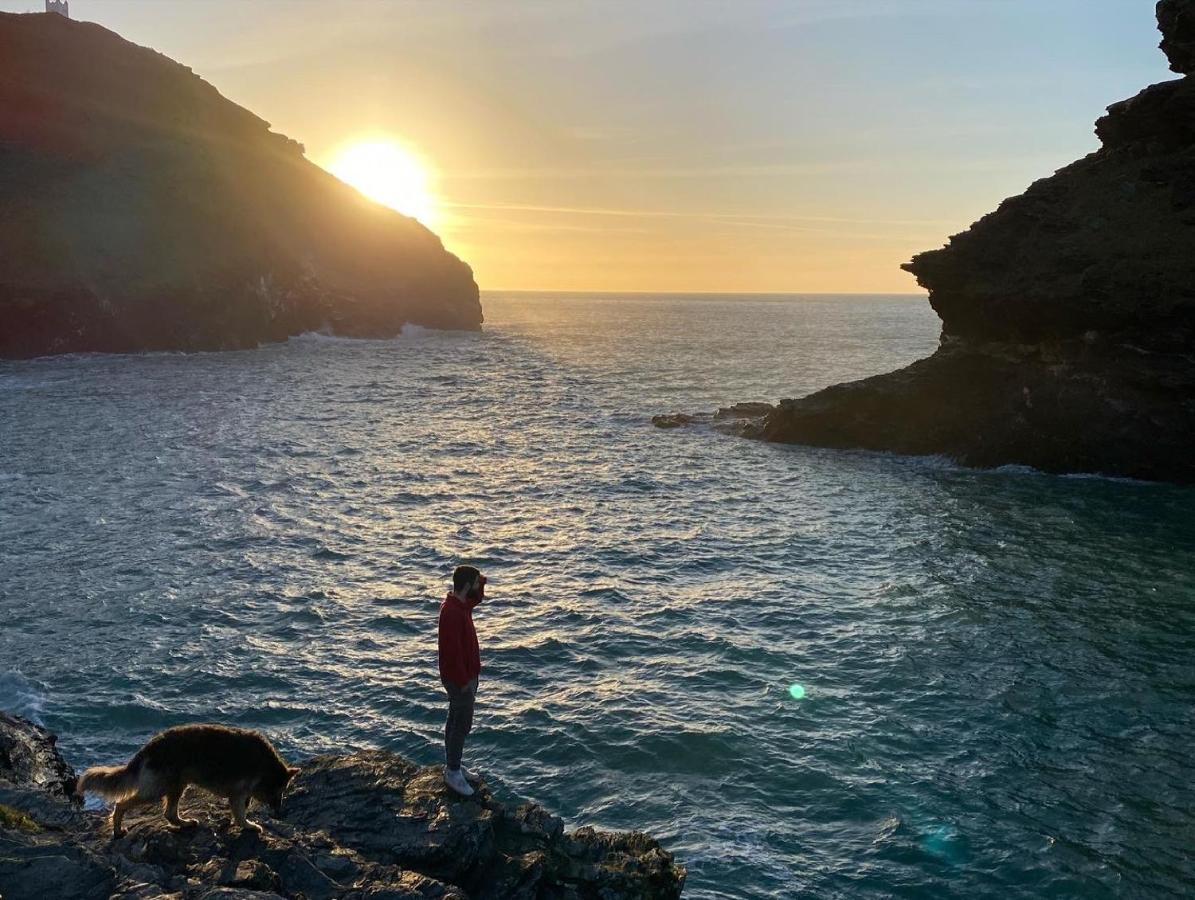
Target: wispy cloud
x=1002, y=163
x=732, y=217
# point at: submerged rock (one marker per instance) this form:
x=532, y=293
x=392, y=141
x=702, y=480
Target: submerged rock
x=674, y=420
x=141, y=210
x=366, y=826
x=737, y=419
x=1068, y=315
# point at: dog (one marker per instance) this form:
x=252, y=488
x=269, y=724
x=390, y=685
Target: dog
x=229, y=762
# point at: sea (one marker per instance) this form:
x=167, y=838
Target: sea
x=808, y=672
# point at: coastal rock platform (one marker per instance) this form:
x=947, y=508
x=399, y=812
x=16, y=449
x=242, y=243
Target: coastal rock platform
x=364, y=826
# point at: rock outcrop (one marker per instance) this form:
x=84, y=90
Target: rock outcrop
x=29, y=758
x=141, y=210
x=366, y=826
x=1068, y=315
x=1176, y=19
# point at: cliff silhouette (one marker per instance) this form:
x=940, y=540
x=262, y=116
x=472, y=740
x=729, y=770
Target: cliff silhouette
x=141, y=210
x=1068, y=315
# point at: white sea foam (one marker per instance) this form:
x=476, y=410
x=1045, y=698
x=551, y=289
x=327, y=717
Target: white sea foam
x=21, y=697
x=410, y=331
x=320, y=337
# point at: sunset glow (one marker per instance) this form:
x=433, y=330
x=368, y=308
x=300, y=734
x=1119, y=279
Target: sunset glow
x=390, y=174
x=662, y=146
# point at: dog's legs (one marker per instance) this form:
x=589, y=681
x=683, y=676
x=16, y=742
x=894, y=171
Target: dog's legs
x=118, y=812
x=149, y=790
x=122, y=807
x=171, y=810
x=237, y=804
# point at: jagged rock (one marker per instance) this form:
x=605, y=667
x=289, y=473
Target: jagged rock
x=744, y=411
x=1068, y=316
x=366, y=826
x=144, y=892
x=46, y=810
x=535, y=820
x=673, y=420
x=741, y=419
x=141, y=210
x=622, y=864
x=29, y=758
x=1176, y=19
x=42, y=865
x=390, y=810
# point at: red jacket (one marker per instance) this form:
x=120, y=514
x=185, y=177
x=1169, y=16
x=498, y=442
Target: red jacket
x=460, y=657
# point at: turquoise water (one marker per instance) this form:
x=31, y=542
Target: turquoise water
x=996, y=669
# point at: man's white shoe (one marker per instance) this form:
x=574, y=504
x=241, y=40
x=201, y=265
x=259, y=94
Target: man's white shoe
x=456, y=781
x=471, y=777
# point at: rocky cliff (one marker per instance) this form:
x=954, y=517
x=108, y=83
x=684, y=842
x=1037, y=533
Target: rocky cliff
x=366, y=826
x=1068, y=314
x=141, y=210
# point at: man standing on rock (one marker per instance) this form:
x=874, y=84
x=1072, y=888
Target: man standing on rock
x=460, y=664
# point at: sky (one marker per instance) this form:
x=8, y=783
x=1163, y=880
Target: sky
x=678, y=145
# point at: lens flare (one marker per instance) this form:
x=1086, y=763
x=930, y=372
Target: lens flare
x=796, y=691
x=943, y=841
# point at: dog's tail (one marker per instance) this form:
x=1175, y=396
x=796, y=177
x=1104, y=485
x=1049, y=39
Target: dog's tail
x=110, y=782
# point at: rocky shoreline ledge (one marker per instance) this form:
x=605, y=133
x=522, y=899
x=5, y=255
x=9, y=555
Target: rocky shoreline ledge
x=1068, y=316
x=363, y=826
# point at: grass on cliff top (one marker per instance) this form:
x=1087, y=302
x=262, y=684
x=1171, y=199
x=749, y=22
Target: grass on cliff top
x=17, y=820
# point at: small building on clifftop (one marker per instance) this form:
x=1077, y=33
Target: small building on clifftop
x=62, y=7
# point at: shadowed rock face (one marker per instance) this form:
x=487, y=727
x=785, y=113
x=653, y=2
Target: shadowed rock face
x=140, y=210
x=1068, y=315
x=28, y=757
x=368, y=826
x=1176, y=19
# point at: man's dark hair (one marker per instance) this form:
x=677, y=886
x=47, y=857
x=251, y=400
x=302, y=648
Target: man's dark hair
x=463, y=577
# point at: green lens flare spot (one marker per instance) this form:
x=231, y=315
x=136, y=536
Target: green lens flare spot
x=796, y=691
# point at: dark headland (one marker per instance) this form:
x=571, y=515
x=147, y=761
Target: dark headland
x=1068, y=316
x=363, y=826
x=141, y=210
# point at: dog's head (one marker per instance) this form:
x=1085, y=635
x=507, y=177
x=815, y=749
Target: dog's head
x=271, y=790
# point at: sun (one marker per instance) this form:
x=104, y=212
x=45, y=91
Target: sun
x=386, y=171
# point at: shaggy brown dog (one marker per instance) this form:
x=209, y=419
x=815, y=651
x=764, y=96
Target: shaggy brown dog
x=229, y=762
